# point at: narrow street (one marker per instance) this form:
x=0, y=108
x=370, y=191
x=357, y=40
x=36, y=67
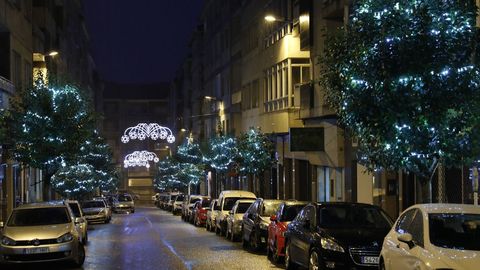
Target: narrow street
x=154, y=239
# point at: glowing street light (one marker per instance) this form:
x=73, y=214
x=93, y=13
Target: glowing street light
x=140, y=158
x=153, y=131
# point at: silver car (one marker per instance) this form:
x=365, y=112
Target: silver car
x=124, y=203
x=211, y=215
x=41, y=232
x=95, y=211
x=235, y=217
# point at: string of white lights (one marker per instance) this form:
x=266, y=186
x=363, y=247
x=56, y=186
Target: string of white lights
x=153, y=131
x=140, y=158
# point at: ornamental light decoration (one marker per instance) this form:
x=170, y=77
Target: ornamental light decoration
x=153, y=131
x=140, y=158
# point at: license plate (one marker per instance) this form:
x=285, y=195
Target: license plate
x=369, y=260
x=36, y=250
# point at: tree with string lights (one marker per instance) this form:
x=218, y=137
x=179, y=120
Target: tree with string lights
x=190, y=158
x=48, y=123
x=255, y=150
x=166, y=176
x=403, y=77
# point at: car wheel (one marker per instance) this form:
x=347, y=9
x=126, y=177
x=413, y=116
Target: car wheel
x=253, y=241
x=206, y=226
x=275, y=256
x=232, y=237
x=227, y=234
x=244, y=242
x=78, y=262
x=289, y=265
x=217, y=230
x=269, y=252
x=313, y=262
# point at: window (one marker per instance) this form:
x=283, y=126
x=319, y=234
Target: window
x=280, y=81
x=416, y=229
x=404, y=221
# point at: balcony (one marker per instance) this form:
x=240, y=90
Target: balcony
x=6, y=86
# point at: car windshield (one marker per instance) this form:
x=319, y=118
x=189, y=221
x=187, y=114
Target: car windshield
x=179, y=198
x=124, y=198
x=75, y=209
x=229, y=202
x=455, y=231
x=269, y=208
x=290, y=212
x=242, y=207
x=340, y=216
x=93, y=204
x=39, y=216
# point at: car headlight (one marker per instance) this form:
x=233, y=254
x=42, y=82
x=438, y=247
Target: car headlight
x=6, y=241
x=65, y=238
x=329, y=244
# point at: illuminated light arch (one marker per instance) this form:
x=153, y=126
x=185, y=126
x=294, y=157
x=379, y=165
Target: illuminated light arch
x=140, y=158
x=153, y=131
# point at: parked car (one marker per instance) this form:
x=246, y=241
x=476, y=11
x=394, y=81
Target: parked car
x=109, y=208
x=40, y=232
x=226, y=200
x=171, y=201
x=255, y=222
x=80, y=220
x=336, y=236
x=124, y=203
x=199, y=211
x=211, y=215
x=286, y=212
x=95, y=211
x=177, y=204
x=187, y=207
x=234, y=219
x=434, y=236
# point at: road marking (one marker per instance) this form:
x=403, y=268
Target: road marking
x=187, y=264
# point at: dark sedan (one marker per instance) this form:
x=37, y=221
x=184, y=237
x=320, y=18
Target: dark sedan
x=336, y=236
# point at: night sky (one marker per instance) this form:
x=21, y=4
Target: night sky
x=140, y=41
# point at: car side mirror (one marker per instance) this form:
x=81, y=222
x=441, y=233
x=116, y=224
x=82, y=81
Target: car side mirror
x=273, y=218
x=406, y=238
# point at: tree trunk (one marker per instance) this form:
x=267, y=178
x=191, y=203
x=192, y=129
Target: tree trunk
x=47, y=187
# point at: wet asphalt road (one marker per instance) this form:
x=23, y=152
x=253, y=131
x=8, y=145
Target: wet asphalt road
x=152, y=238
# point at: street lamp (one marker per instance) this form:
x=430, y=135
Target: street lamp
x=271, y=18
x=210, y=98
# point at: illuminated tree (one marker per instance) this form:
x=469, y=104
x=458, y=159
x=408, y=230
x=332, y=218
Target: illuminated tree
x=191, y=168
x=223, y=153
x=97, y=153
x=255, y=151
x=76, y=181
x=166, y=176
x=402, y=77
x=48, y=125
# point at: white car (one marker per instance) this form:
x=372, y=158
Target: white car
x=434, y=236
